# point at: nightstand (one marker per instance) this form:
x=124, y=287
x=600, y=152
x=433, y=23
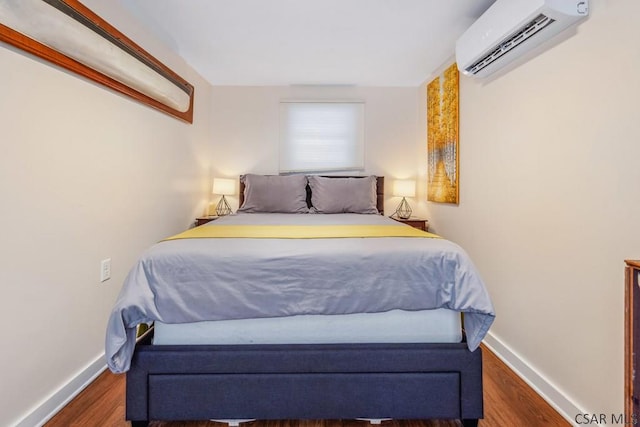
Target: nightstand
x=205, y=219
x=420, y=224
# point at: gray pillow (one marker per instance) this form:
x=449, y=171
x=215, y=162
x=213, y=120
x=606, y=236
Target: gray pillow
x=273, y=193
x=343, y=195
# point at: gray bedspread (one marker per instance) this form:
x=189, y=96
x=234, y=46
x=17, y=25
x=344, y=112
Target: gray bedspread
x=192, y=280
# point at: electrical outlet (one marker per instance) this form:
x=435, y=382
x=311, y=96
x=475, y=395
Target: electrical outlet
x=105, y=270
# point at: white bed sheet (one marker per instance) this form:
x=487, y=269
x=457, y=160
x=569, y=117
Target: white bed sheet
x=395, y=326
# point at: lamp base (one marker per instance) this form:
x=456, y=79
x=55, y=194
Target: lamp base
x=223, y=207
x=404, y=210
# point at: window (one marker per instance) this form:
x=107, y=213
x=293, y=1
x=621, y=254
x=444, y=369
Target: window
x=321, y=136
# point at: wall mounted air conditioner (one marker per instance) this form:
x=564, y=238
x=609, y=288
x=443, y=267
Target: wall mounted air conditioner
x=510, y=28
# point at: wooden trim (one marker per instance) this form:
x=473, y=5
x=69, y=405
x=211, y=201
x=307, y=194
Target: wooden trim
x=633, y=263
x=631, y=328
x=628, y=339
x=38, y=49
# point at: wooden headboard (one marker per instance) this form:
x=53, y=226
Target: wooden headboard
x=379, y=190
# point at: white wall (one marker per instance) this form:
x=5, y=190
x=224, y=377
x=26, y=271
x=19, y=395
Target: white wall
x=245, y=130
x=548, y=196
x=549, y=204
x=85, y=174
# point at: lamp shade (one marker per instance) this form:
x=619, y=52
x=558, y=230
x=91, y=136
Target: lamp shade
x=404, y=188
x=223, y=186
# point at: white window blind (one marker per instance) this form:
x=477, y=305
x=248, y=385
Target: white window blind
x=321, y=136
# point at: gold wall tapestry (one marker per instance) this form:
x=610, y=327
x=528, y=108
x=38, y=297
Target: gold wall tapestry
x=442, y=137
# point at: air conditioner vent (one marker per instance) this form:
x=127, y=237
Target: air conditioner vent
x=524, y=33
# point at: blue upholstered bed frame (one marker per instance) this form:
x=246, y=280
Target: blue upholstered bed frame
x=328, y=381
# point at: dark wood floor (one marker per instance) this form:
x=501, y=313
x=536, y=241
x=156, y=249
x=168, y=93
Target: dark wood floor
x=508, y=402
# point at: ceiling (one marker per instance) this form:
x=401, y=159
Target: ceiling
x=310, y=42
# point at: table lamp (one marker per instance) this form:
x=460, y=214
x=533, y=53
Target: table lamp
x=404, y=188
x=224, y=187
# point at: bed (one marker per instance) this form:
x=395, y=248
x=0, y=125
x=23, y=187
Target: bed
x=218, y=273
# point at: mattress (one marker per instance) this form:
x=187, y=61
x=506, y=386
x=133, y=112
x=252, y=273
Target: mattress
x=395, y=326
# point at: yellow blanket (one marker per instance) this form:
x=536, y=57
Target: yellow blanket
x=300, y=232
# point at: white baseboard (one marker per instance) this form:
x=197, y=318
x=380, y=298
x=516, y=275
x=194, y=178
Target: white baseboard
x=547, y=390
x=54, y=403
